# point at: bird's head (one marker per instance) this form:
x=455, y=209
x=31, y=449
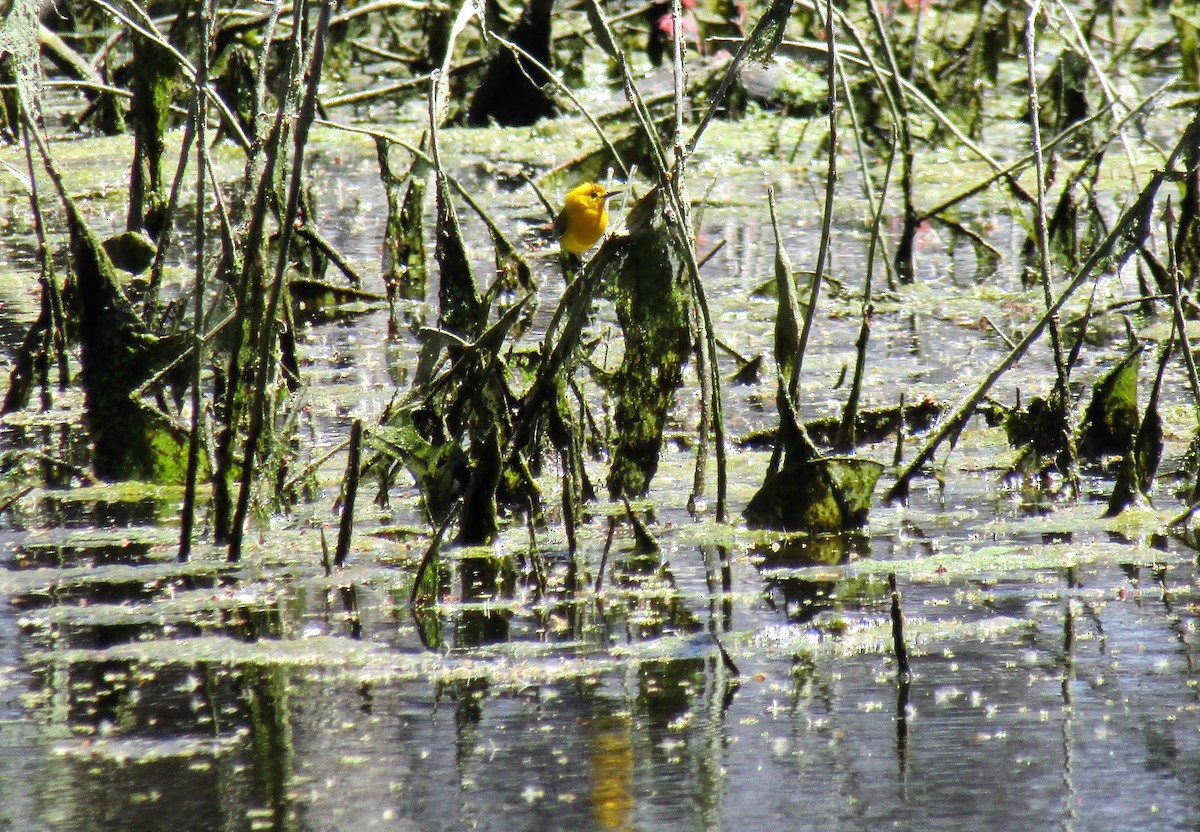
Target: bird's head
x=591, y=194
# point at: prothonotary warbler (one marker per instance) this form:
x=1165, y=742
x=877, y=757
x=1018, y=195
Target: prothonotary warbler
x=583, y=217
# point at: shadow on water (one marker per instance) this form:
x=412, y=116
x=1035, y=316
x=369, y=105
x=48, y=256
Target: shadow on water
x=800, y=594
x=485, y=578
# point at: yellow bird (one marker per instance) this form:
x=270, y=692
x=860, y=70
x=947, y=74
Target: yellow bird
x=583, y=217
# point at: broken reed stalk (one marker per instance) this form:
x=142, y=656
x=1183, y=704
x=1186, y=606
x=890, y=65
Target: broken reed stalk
x=45, y=333
x=677, y=78
x=1042, y=234
x=706, y=377
x=184, y=355
x=1125, y=237
x=346, y=529
x=247, y=257
x=1180, y=324
x=200, y=113
x=898, y=456
x=716, y=417
x=1043, y=243
x=1148, y=441
x=314, y=237
x=903, y=673
x=326, y=565
x=827, y=219
x=608, y=541
x=1164, y=357
x=229, y=252
x=536, y=564
x=310, y=469
x=363, y=96
x=260, y=81
x=432, y=552
x=787, y=335
x=304, y=120
x=707, y=374
x=846, y=434
x=57, y=320
x=441, y=78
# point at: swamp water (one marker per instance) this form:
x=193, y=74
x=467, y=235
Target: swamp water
x=1054, y=681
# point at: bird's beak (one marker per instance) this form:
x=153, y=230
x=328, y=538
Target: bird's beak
x=610, y=194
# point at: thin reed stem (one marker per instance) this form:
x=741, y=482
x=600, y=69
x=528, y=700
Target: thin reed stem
x=827, y=219
x=195, y=431
x=1063, y=389
x=308, y=107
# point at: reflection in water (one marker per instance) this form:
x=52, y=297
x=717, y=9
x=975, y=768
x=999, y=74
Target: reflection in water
x=350, y=605
x=801, y=597
x=666, y=688
x=611, y=761
x=903, y=713
x=652, y=742
x=628, y=720
x=98, y=793
x=720, y=590
x=1070, y=797
x=271, y=739
x=484, y=578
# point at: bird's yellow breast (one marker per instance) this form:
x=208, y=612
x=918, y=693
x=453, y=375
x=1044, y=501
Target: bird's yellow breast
x=583, y=218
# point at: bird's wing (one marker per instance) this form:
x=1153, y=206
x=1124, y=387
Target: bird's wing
x=560, y=223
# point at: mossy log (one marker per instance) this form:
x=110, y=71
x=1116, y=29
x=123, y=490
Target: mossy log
x=652, y=307
x=118, y=354
x=828, y=494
